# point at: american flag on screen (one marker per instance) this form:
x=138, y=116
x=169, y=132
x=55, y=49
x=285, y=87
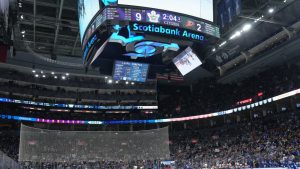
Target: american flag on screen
x=162, y=76
x=176, y=77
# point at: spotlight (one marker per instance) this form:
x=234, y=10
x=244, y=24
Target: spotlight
x=271, y=10
x=21, y=16
x=63, y=77
x=213, y=50
x=33, y=71
x=55, y=77
x=223, y=43
x=132, y=83
x=42, y=72
x=44, y=76
x=52, y=73
x=67, y=74
x=106, y=77
x=127, y=83
x=36, y=75
x=110, y=81
x=247, y=27
x=23, y=31
x=236, y=34
x=117, y=82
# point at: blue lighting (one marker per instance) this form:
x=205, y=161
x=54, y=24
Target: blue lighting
x=145, y=50
x=167, y=31
x=148, y=49
x=109, y=2
x=88, y=46
x=115, y=37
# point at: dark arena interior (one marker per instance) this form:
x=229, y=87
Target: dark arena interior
x=149, y=84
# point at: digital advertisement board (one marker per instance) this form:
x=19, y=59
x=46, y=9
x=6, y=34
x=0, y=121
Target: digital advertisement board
x=197, y=8
x=87, y=9
x=187, y=61
x=130, y=71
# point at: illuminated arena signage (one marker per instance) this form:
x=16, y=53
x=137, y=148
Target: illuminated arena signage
x=179, y=119
x=144, y=15
x=167, y=31
x=89, y=45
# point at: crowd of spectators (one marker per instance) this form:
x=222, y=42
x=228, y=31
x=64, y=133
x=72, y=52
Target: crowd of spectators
x=206, y=97
x=36, y=91
x=210, y=96
x=270, y=141
x=72, y=80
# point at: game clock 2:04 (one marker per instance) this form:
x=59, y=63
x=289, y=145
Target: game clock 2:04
x=170, y=17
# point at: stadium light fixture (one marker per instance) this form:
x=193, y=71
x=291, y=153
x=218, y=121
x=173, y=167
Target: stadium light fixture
x=36, y=75
x=117, y=82
x=132, y=83
x=52, y=73
x=55, y=77
x=33, y=71
x=247, y=27
x=21, y=16
x=44, y=76
x=63, y=77
x=236, y=34
x=23, y=36
x=213, y=50
x=106, y=77
x=23, y=31
x=67, y=74
x=42, y=72
x=110, y=81
x=127, y=83
x=271, y=10
x=223, y=43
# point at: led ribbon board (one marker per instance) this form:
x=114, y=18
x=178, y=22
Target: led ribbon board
x=76, y=106
x=220, y=113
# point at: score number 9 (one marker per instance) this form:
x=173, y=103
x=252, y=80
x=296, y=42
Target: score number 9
x=138, y=16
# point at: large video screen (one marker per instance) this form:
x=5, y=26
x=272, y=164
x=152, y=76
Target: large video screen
x=197, y=8
x=87, y=9
x=130, y=71
x=187, y=61
x=4, y=16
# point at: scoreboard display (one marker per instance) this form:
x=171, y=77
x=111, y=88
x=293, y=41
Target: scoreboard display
x=196, y=8
x=130, y=71
x=151, y=16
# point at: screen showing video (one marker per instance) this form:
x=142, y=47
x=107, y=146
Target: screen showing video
x=187, y=61
x=87, y=9
x=130, y=71
x=198, y=8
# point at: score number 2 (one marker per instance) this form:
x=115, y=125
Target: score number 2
x=199, y=27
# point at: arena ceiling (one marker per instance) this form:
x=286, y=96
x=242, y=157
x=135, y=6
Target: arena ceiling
x=51, y=27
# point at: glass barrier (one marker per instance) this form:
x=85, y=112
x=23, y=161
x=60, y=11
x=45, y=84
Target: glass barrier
x=7, y=162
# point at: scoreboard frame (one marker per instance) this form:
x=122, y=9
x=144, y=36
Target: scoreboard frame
x=169, y=19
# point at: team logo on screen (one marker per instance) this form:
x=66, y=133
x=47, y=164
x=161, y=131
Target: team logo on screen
x=189, y=23
x=153, y=17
